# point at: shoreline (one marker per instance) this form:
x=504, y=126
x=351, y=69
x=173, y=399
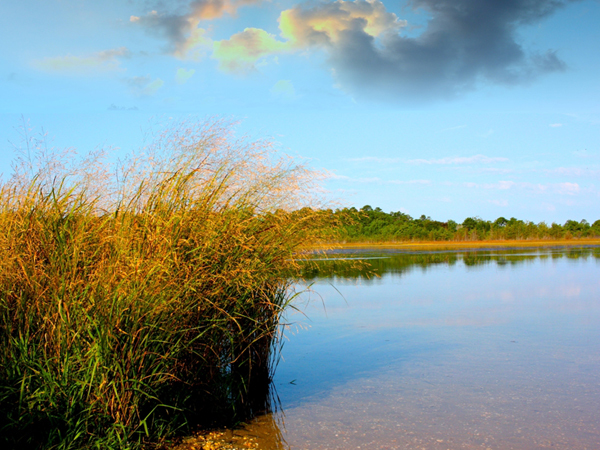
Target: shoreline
x=459, y=245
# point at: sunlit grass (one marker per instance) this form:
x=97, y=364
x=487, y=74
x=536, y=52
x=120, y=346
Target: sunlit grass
x=441, y=245
x=136, y=301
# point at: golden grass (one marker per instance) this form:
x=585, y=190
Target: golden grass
x=141, y=299
x=458, y=245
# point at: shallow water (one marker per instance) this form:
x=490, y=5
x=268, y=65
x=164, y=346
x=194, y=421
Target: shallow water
x=443, y=350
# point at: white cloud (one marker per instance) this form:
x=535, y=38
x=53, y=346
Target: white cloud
x=475, y=159
x=243, y=51
x=366, y=180
x=137, y=82
x=485, y=170
x=143, y=85
x=553, y=188
x=574, y=172
x=567, y=188
x=114, y=107
x=452, y=128
x=453, y=160
x=548, y=207
x=284, y=89
x=335, y=176
x=585, y=154
x=410, y=182
x=103, y=61
x=366, y=46
x=182, y=75
x=377, y=180
x=153, y=87
x=503, y=185
x=375, y=159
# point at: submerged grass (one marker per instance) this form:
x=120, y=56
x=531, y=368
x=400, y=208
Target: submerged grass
x=138, y=302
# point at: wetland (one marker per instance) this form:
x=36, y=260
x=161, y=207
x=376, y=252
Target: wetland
x=480, y=348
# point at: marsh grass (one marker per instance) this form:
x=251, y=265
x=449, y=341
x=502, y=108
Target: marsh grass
x=138, y=301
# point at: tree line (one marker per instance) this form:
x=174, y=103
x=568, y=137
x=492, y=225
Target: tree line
x=373, y=224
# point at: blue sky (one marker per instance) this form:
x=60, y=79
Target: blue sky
x=448, y=108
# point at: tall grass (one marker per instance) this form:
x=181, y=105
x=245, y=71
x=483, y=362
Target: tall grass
x=136, y=301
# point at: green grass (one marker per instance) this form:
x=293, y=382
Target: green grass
x=138, y=302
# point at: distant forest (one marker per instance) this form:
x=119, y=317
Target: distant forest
x=373, y=224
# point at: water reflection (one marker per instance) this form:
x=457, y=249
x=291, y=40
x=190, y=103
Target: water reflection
x=442, y=350
x=346, y=264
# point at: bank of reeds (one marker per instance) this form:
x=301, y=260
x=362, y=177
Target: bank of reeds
x=139, y=301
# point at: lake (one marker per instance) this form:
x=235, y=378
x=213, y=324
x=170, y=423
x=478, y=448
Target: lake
x=441, y=350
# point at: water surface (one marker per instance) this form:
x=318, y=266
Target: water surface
x=442, y=350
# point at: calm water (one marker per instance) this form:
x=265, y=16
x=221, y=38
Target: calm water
x=447, y=350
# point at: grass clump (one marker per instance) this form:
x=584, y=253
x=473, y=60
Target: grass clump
x=140, y=300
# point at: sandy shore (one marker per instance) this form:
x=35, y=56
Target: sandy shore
x=459, y=245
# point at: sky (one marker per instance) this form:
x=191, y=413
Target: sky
x=447, y=108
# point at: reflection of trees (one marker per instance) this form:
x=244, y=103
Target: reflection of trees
x=365, y=266
x=373, y=266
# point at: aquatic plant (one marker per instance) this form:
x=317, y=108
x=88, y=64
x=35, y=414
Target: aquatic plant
x=141, y=298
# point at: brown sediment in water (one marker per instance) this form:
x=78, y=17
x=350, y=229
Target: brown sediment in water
x=217, y=440
x=459, y=245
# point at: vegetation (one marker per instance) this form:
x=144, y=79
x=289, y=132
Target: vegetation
x=375, y=225
x=139, y=301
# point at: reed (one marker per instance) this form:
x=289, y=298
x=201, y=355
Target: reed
x=140, y=300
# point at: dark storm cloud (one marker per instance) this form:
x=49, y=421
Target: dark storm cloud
x=465, y=41
x=173, y=27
